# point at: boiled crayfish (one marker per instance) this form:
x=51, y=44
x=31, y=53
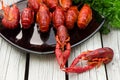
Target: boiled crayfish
x=27, y=18
x=43, y=18
x=84, y=17
x=34, y=4
x=94, y=58
x=65, y=4
x=63, y=48
x=11, y=16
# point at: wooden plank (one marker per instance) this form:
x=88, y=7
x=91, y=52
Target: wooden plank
x=112, y=40
x=94, y=74
x=12, y=62
x=44, y=67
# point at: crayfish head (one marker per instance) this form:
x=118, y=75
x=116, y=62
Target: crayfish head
x=62, y=36
x=101, y=53
x=108, y=54
x=99, y=56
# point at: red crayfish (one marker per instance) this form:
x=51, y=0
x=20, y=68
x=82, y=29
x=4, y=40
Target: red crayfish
x=94, y=58
x=27, y=17
x=11, y=16
x=34, y=4
x=65, y=4
x=52, y=4
x=84, y=17
x=63, y=48
x=58, y=17
x=71, y=17
x=43, y=18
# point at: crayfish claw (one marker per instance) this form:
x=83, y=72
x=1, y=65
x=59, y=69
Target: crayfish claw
x=57, y=39
x=62, y=56
x=78, y=69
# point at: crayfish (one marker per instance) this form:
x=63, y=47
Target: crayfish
x=27, y=18
x=34, y=4
x=63, y=48
x=93, y=58
x=84, y=17
x=71, y=17
x=65, y=4
x=52, y=4
x=43, y=18
x=11, y=16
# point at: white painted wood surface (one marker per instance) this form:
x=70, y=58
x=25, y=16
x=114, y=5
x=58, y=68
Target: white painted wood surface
x=44, y=67
x=12, y=60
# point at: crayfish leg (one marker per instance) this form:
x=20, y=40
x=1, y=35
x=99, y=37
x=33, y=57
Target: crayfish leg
x=66, y=53
x=80, y=57
x=57, y=39
x=59, y=55
x=97, y=61
x=78, y=69
x=68, y=39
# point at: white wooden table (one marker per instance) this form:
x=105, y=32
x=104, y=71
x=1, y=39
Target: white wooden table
x=18, y=65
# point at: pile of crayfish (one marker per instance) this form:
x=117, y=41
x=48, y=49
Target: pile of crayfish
x=63, y=15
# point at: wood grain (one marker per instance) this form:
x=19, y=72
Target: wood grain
x=44, y=67
x=12, y=62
